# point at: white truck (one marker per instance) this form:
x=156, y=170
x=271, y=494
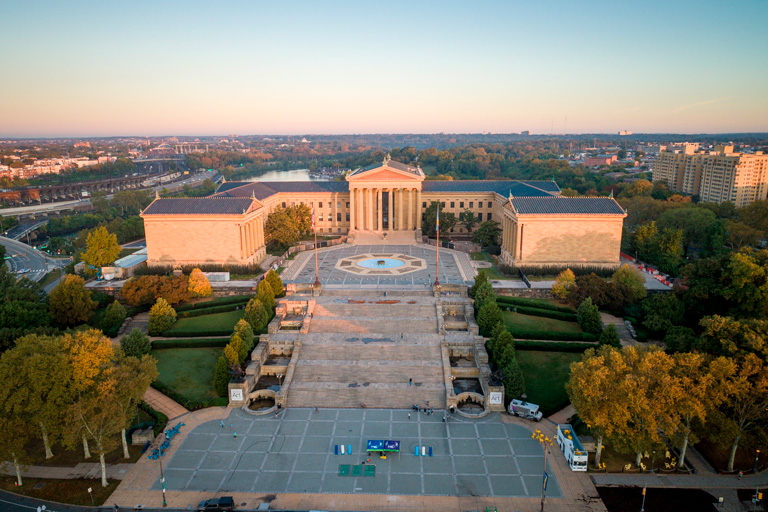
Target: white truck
x=569, y=443
x=524, y=410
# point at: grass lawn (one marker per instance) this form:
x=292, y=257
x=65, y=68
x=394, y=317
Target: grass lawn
x=545, y=376
x=50, y=277
x=188, y=371
x=73, y=492
x=537, y=323
x=71, y=458
x=213, y=322
x=477, y=256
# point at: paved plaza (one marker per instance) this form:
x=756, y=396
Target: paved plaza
x=455, y=267
x=294, y=453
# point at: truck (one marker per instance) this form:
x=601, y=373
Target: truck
x=571, y=447
x=524, y=410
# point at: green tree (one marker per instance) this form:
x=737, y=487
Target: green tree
x=199, y=286
x=588, y=317
x=467, y=217
x=484, y=295
x=266, y=296
x=662, y=311
x=480, y=278
x=302, y=216
x=680, y=339
x=114, y=316
x=755, y=215
x=565, y=282
x=70, y=303
x=632, y=279
x=135, y=343
x=161, y=317
x=429, y=218
x=100, y=202
x=741, y=235
x=488, y=316
x=609, y=336
x=746, y=282
x=256, y=315
x=276, y=283
x=487, y=234
x=514, y=382
x=101, y=248
x=221, y=377
x=242, y=349
x=695, y=223
x=245, y=332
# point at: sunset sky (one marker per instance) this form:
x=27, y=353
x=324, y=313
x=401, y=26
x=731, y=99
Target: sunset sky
x=183, y=68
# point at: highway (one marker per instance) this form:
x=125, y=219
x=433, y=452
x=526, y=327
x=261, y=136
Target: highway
x=29, y=262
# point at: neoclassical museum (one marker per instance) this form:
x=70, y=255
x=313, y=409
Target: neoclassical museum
x=386, y=201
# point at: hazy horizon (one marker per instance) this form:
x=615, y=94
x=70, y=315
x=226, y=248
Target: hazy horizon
x=94, y=69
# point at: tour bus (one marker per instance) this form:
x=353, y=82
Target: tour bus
x=524, y=410
x=569, y=443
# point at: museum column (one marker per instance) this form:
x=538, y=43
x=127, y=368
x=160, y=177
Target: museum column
x=409, y=225
x=359, y=218
x=369, y=214
x=379, y=211
x=418, y=209
x=352, y=208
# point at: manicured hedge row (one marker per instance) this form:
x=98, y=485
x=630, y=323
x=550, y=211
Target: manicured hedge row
x=211, y=310
x=546, y=313
x=161, y=420
x=532, y=303
x=192, y=405
x=550, y=335
x=553, y=346
x=172, y=333
x=238, y=299
x=191, y=343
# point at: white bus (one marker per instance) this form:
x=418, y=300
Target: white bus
x=569, y=443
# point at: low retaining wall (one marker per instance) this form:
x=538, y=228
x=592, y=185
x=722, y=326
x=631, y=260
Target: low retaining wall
x=528, y=293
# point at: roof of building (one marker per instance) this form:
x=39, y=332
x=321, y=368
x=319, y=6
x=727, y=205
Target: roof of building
x=503, y=188
x=556, y=205
x=416, y=171
x=199, y=206
x=131, y=260
x=263, y=189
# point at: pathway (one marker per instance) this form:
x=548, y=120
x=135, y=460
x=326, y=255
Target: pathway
x=163, y=404
x=84, y=470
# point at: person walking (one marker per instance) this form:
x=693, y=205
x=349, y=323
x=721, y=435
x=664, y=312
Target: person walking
x=409, y=416
x=410, y=382
x=222, y=424
x=741, y=474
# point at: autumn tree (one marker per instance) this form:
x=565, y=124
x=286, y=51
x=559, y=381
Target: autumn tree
x=135, y=343
x=564, y=283
x=14, y=435
x=69, y=302
x=199, y=286
x=144, y=290
x=731, y=337
x=278, y=288
x=161, y=317
x=632, y=279
x=281, y=229
x=302, y=217
x=101, y=248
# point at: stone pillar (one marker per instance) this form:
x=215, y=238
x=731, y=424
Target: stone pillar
x=401, y=209
x=242, y=248
x=352, y=209
x=379, y=210
x=391, y=211
x=418, y=209
x=369, y=215
x=409, y=221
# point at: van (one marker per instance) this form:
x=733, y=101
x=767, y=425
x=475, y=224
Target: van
x=525, y=410
x=223, y=504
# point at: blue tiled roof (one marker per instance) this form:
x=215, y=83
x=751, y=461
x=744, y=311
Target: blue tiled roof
x=503, y=188
x=262, y=189
x=390, y=163
x=556, y=205
x=198, y=205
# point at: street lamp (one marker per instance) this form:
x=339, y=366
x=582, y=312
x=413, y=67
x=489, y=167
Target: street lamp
x=162, y=476
x=546, y=442
x=757, y=485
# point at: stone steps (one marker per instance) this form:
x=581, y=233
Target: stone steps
x=416, y=355
x=361, y=372
x=380, y=396
x=359, y=325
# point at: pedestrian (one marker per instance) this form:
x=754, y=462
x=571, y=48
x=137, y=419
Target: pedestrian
x=230, y=426
x=275, y=415
x=427, y=403
x=409, y=416
x=222, y=423
x=410, y=382
x=401, y=335
x=740, y=475
x=234, y=434
x=317, y=410
x=117, y=509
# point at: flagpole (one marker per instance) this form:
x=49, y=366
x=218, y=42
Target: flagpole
x=317, y=279
x=437, y=254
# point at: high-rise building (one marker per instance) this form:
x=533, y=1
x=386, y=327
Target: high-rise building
x=716, y=176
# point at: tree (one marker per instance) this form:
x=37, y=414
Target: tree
x=242, y=349
x=746, y=282
x=741, y=235
x=564, y=283
x=101, y=248
x=161, y=317
x=755, y=215
x=487, y=234
x=731, y=337
x=429, y=218
x=70, y=303
x=256, y=315
x=114, y=316
x=302, y=216
x=14, y=435
x=221, y=376
x=609, y=336
x=136, y=343
x=503, y=348
x=590, y=286
x=514, y=382
x=480, y=278
x=695, y=223
x=632, y=279
x=483, y=295
x=680, y=339
x=281, y=229
x=588, y=317
x=143, y=290
x=23, y=303
x=488, y=317
x=276, y=283
x=266, y=296
x=245, y=332
x=662, y=311
x=199, y=286
x=467, y=217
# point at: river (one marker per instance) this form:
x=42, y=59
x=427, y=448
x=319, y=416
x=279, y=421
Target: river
x=294, y=175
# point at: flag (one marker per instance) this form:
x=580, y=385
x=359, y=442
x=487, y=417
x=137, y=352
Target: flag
x=437, y=221
x=313, y=220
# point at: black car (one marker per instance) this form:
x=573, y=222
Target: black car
x=223, y=504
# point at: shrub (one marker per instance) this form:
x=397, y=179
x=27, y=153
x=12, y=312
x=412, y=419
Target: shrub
x=610, y=336
x=181, y=333
x=167, y=270
x=588, y=316
x=190, y=343
x=266, y=296
x=514, y=383
x=533, y=303
x=145, y=289
x=546, y=313
x=523, y=334
x=632, y=279
x=136, y=343
x=275, y=283
x=113, y=317
x=192, y=405
x=161, y=317
x=160, y=419
x=199, y=286
x=221, y=301
x=483, y=294
x=553, y=346
x=480, y=278
x=208, y=311
x=488, y=317
x=244, y=330
x=221, y=377
x=256, y=315
x=564, y=283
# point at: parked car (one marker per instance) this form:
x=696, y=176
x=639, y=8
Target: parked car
x=223, y=504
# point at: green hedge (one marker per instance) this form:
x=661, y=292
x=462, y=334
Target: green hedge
x=161, y=420
x=208, y=311
x=238, y=299
x=546, y=313
x=192, y=405
x=133, y=311
x=552, y=346
x=191, y=343
x=172, y=333
x=532, y=303
x=550, y=335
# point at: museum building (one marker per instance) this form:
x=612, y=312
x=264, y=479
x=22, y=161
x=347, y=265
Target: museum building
x=539, y=226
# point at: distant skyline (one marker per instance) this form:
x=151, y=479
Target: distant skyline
x=79, y=69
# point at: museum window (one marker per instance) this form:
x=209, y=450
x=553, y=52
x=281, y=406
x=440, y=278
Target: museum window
x=461, y=204
x=320, y=217
x=338, y=204
x=489, y=215
x=283, y=204
x=347, y=217
x=321, y=205
x=442, y=204
x=424, y=204
x=338, y=217
x=479, y=217
x=490, y=204
x=471, y=204
x=453, y=205
x=347, y=204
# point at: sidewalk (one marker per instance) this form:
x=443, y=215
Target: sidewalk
x=163, y=404
x=84, y=470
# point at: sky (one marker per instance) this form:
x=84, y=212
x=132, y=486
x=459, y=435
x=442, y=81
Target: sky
x=101, y=68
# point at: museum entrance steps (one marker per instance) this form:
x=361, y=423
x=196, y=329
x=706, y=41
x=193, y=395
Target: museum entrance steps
x=388, y=237
x=392, y=319
x=376, y=292
x=347, y=371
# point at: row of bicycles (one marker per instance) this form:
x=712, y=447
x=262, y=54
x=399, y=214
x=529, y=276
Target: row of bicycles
x=169, y=435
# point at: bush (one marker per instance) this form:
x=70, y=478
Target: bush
x=553, y=346
x=221, y=377
x=136, y=344
x=244, y=330
x=145, y=289
x=160, y=419
x=564, y=283
x=113, y=317
x=181, y=333
x=256, y=314
x=278, y=288
x=484, y=294
x=167, y=270
x=266, y=296
x=161, y=317
x=192, y=405
x=198, y=284
x=588, y=316
x=489, y=316
x=480, y=278
x=554, y=270
x=191, y=343
x=208, y=311
x=610, y=336
x=550, y=335
x=546, y=313
x=514, y=383
x=239, y=299
x=533, y=303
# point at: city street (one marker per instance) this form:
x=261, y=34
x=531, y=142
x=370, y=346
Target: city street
x=29, y=262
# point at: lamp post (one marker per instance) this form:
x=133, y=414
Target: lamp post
x=162, y=476
x=546, y=442
x=757, y=485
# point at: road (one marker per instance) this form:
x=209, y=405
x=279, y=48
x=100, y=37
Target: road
x=22, y=256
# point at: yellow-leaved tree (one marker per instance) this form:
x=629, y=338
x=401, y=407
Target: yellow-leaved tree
x=199, y=286
x=564, y=283
x=101, y=247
